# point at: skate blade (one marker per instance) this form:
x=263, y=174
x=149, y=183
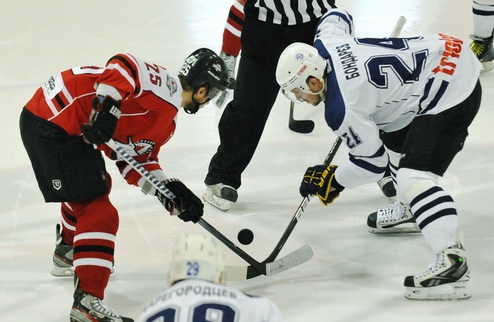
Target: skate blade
x=214, y=201
x=451, y=291
x=76, y=315
x=487, y=66
x=401, y=229
x=62, y=271
x=67, y=271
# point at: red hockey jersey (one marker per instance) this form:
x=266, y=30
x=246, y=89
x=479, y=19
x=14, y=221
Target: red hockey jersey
x=151, y=98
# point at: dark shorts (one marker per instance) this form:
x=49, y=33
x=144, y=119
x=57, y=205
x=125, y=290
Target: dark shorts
x=66, y=168
x=431, y=142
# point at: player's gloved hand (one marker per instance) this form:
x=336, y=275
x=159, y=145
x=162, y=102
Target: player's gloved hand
x=231, y=63
x=189, y=206
x=319, y=180
x=102, y=121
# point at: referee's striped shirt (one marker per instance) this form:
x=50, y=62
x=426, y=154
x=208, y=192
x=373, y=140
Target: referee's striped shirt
x=289, y=12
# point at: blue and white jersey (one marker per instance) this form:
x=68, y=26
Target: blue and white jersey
x=197, y=300
x=383, y=84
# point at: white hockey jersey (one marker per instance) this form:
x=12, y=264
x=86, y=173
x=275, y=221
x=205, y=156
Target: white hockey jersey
x=197, y=300
x=383, y=84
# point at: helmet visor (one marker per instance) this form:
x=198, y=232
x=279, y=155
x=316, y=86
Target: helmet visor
x=296, y=95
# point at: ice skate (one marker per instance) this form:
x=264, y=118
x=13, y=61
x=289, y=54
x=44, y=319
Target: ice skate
x=387, y=187
x=445, y=279
x=88, y=308
x=482, y=48
x=220, y=196
x=397, y=218
x=62, y=256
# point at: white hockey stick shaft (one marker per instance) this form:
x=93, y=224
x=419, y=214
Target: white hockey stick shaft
x=398, y=27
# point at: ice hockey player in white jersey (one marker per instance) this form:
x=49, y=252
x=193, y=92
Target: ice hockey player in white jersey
x=423, y=92
x=483, y=27
x=197, y=293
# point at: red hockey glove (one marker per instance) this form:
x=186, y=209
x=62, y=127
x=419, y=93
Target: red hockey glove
x=186, y=202
x=319, y=180
x=102, y=121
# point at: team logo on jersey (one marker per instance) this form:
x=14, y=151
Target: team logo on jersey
x=299, y=57
x=137, y=148
x=171, y=84
x=57, y=184
x=50, y=84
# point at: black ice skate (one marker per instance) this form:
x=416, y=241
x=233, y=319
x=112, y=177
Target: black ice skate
x=483, y=49
x=88, y=308
x=62, y=256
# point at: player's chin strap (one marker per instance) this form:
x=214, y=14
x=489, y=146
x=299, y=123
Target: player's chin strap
x=295, y=258
x=195, y=109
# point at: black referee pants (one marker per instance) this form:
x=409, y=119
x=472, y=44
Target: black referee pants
x=243, y=120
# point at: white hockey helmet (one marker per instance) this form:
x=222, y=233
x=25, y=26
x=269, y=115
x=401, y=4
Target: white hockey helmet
x=297, y=62
x=197, y=256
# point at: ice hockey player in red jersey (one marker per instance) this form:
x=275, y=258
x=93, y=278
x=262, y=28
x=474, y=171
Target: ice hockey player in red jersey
x=422, y=93
x=64, y=127
x=230, y=47
x=197, y=292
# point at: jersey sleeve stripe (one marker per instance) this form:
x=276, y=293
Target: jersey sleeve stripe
x=127, y=64
x=131, y=74
x=439, y=93
x=367, y=165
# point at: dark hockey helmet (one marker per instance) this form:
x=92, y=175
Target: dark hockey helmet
x=203, y=67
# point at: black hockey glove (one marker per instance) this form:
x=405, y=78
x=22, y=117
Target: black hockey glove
x=102, y=122
x=189, y=206
x=319, y=180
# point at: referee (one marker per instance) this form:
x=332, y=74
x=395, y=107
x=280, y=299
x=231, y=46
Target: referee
x=269, y=27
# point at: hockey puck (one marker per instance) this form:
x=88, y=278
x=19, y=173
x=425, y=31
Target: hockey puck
x=245, y=236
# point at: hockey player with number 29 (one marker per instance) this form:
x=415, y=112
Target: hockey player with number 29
x=64, y=127
x=196, y=276
x=423, y=92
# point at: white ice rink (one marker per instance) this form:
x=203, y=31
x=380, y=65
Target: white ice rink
x=354, y=276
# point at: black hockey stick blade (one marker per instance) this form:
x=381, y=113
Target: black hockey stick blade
x=299, y=126
x=298, y=213
x=268, y=268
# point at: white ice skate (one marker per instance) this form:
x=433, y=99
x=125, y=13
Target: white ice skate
x=445, y=279
x=220, y=196
x=397, y=218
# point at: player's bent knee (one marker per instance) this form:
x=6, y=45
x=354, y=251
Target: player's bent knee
x=412, y=182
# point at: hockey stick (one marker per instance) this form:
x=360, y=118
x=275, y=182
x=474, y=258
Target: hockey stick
x=297, y=257
x=301, y=208
x=398, y=27
x=299, y=126
x=250, y=273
